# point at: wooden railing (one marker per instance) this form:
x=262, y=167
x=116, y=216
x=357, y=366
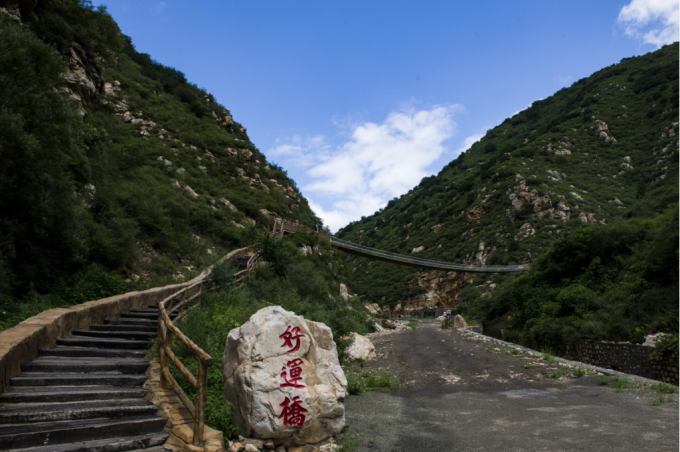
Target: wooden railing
x=167, y=330
x=252, y=262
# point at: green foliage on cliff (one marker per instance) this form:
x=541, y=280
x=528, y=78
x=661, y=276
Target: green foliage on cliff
x=512, y=191
x=615, y=282
x=155, y=183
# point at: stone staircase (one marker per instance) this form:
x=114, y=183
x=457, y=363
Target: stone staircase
x=86, y=394
x=241, y=263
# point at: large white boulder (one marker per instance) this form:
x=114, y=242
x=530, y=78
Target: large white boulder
x=283, y=378
x=361, y=348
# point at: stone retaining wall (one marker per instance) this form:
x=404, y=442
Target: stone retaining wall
x=20, y=344
x=628, y=358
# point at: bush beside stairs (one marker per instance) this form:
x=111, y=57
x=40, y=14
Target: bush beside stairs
x=86, y=394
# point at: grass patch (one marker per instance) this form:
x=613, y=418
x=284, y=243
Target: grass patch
x=602, y=381
x=413, y=325
x=559, y=373
x=548, y=357
x=529, y=366
x=664, y=388
x=620, y=384
x=659, y=400
x=578, y=372
x=369, y=380
x=382, y=380
x=355, y=383
x=348, y=442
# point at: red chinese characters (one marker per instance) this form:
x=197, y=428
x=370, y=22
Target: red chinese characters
x=293, y=413
x=292, y=368
x=292, y=335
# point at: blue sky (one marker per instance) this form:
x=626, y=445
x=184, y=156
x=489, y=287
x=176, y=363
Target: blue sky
x=360, y=100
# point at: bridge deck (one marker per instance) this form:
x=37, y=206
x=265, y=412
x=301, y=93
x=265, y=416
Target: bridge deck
x=400, y=259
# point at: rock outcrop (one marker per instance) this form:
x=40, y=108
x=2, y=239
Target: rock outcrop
x=373, y=308
x=343, y=292
x=283, y=379
x=443, y=288
x=84, y=84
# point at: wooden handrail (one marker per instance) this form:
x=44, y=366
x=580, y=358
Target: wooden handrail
x=167, y=330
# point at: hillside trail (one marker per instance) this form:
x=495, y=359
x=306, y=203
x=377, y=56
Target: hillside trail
x=459, y=393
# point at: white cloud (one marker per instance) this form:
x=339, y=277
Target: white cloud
x=373, y=164
x=653, y=21
x=468, y=142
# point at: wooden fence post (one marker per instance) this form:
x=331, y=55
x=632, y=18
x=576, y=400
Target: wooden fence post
x=201, y=398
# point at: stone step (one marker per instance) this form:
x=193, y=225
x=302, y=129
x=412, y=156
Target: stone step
x=115, y=334
x=144, y=322
x=31, y=435
x=76, y=379
x=87, y=352
x=144, y=311
x=148, y=443
x=85, y=365
x=74, y=411
x=70, y=394
x=103, y=343
x=149, y=329
x=144, y=315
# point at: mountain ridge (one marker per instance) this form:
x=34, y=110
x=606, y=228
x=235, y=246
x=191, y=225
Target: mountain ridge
x=602, y=151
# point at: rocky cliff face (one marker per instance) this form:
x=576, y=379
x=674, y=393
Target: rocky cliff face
x=443, y=288
x=84, y=84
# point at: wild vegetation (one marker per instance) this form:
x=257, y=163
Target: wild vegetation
x=584, y=183
x=307, y=286
x=155, y=183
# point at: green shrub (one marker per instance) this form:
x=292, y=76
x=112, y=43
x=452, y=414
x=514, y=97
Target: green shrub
x=355, y=383
x=578, y=372
x=382, y=380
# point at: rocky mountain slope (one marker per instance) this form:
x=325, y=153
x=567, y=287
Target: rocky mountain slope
x=112, y=162
x=603, y=150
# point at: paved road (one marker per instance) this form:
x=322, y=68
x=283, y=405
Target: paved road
x=461, y=394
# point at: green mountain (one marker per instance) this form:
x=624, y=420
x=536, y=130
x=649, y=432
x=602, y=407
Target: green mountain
x=578, y=183
x=117, y=173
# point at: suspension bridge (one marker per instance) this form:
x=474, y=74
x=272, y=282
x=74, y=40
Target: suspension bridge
x=282, y=227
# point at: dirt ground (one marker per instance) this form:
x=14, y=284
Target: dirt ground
x=460, y=393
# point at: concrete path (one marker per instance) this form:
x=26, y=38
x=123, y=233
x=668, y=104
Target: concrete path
x=462, y=394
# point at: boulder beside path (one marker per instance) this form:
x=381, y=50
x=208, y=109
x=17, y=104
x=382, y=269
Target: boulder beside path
x=361, y=348
x=459, y=322
x=283, y=379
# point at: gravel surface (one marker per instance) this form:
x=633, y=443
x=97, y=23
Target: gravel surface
x=460, y=393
